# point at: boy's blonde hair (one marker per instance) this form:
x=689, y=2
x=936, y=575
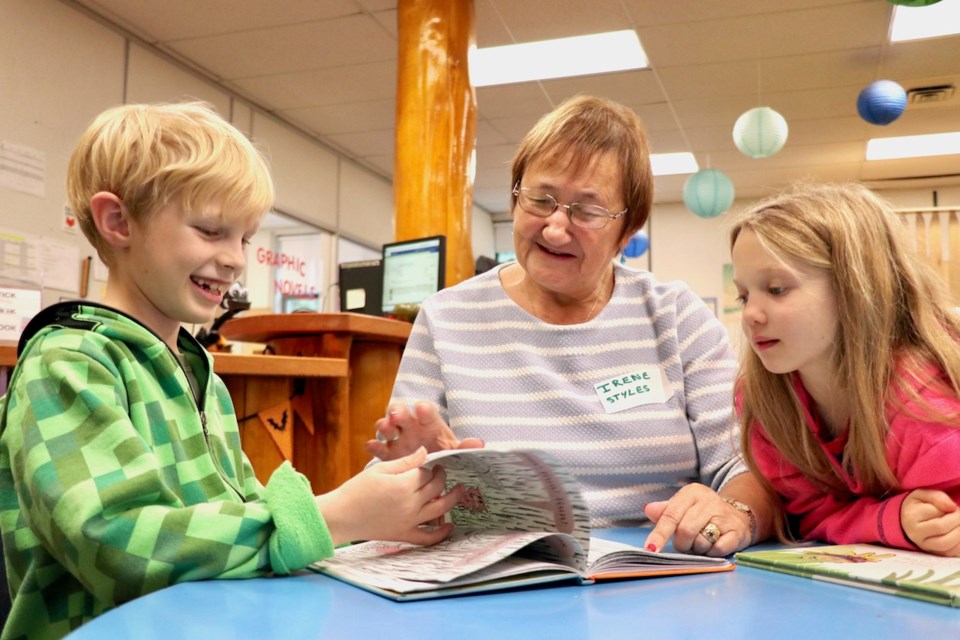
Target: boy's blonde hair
x=152, y=155
x=895, y=318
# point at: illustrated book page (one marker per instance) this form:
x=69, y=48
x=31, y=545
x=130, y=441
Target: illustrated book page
x=911, y=574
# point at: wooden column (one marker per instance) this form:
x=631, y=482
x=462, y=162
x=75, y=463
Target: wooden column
x=436, y=127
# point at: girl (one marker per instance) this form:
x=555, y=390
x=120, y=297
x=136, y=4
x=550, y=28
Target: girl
x=850, y=391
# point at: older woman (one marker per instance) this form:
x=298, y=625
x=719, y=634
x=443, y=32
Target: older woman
x=626, y=379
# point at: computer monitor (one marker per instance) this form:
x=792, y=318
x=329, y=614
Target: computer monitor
x=360, y=287
x=413, y=270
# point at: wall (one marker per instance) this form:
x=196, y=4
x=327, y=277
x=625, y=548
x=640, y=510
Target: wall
x=60, y=68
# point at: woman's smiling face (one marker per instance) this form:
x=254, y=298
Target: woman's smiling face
x=565, y=261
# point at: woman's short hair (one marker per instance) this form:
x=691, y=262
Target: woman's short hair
x=152, y=155
x=582, y=129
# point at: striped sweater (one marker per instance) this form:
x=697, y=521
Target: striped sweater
x=498, y=373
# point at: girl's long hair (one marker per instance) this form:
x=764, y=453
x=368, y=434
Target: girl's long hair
x=895, y=318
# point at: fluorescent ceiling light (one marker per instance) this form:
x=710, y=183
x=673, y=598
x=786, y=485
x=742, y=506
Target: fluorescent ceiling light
x=931, y=21
x=671, y=164
x=564, y=57
x=934, y=144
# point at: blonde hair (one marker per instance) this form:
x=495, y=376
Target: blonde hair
x=894, y=315
x=582, y=129
x=152, y=155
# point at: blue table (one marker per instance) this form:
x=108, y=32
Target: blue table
x=747, y=603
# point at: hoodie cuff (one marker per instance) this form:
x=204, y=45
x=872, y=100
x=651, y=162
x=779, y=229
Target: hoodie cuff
x=301, y=536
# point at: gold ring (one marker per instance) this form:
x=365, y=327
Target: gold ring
x=711, y=532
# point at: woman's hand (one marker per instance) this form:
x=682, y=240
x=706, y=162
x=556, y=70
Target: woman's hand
x=687, y=517
x=403, y=431
x=397, y=501
x=931, y=520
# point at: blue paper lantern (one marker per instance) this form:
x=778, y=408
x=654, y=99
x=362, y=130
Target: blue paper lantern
x=637, y=246
x=881, y=102
x=760, y=132
x=708, y=193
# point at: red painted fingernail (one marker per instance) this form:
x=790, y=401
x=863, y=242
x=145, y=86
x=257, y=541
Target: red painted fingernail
x=652, y=547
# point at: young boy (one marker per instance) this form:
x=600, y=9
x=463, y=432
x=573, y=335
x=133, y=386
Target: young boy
x=120, y=463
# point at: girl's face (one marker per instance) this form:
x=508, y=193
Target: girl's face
x=789, y=310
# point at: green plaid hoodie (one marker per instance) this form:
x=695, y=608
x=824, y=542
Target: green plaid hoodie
x=116, y=480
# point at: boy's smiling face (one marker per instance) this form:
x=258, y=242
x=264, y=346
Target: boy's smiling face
x=178, y=265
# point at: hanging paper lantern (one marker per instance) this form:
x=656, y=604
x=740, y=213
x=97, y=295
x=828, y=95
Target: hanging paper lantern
x=913, y=3
x=881, y=102
x=708, y=193
x=637, y=246
x=760, y=132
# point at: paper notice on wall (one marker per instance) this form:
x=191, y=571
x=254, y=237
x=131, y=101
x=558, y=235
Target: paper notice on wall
x=60, y=262
x=40, y=261
x=18, y=258
x=17, y=306
x=22, y=168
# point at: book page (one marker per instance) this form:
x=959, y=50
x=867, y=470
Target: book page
x=608, y=556
x=464, y=553
x=518, y=490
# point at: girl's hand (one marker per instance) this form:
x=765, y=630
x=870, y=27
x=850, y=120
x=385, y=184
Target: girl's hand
x=931, y=520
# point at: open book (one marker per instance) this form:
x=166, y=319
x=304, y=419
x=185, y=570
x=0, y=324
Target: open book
x=523, y=521
x=911, y=574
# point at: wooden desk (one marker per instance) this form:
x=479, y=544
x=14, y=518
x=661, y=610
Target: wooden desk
x=344, y=409
x=8, y=359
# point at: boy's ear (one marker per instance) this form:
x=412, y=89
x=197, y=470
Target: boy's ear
x=111, y=218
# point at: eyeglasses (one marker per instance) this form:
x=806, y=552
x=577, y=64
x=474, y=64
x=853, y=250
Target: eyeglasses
x=542, y=205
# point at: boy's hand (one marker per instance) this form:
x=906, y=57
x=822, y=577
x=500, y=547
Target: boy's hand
x=403, y=431
x=931, y=520
x=396, y=500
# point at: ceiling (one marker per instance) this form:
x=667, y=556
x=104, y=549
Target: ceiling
x=328, y=67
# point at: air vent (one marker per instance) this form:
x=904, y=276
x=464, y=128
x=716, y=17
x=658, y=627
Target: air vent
x=929, y=95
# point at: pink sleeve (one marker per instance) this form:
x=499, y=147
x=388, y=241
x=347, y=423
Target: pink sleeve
x=921, y=453
x=815, y=514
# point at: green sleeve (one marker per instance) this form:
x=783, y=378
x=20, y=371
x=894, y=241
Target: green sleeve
x=301, y=535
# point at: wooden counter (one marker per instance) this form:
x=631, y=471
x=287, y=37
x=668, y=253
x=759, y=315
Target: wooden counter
x=8, y=358
x=343, y=409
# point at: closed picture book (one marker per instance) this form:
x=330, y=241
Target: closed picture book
x=521, y=522
x=911, y=574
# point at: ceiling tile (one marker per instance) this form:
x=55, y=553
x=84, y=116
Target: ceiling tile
x=309, y=45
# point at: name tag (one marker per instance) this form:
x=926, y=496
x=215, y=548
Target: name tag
x=643, y=386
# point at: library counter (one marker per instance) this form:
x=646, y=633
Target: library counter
x=745, y=603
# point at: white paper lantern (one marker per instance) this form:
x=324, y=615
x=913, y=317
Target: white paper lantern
x=760, y=132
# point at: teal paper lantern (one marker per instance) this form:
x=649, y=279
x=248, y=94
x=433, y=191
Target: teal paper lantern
x=760, y=132
x=881, y=102
x=708, y=193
